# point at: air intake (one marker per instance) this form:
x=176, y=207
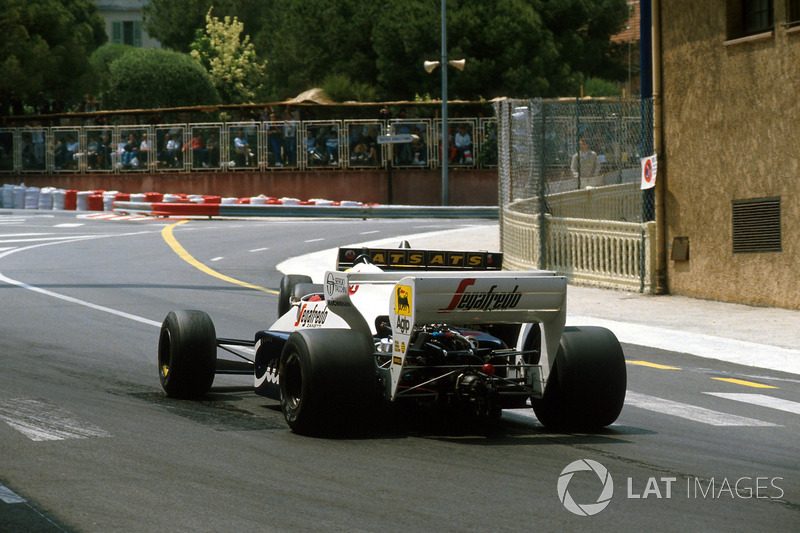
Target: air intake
x=757, y=225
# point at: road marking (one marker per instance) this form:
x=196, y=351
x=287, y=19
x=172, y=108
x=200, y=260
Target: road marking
x=315, y=240
x=172, y=242
x=719, y=348
x=652, y=365
x=9, y=496
x=370, y=232
x=41, y=421
x=746, y=383
x=69, y=225
x=259, y=250
x=69, y=298
x=761, y=400
x=691, y=412
x=220, y=258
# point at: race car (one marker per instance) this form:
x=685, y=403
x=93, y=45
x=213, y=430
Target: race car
x=426, y=327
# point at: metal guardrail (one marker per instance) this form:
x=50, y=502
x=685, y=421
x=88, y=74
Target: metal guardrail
x=246, y=210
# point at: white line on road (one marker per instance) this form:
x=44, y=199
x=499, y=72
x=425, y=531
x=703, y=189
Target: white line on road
x=315, y=240
x=761, y=400
x=259, y=249
x=690, y=412
x=712, y=347
x=9, y=496
x=69, y=298
x=41, y=421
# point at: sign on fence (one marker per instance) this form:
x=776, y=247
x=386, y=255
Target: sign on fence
x=649, y=167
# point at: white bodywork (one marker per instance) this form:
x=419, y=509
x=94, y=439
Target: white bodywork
x=354, y=299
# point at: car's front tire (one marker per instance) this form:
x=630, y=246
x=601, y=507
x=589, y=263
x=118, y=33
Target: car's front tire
x=288, y=283
x=187, y=354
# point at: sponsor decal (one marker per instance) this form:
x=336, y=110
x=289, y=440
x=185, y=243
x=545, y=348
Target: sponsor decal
x=313, y=317
x=491, y=300
x=335, y=285
x=402, y=300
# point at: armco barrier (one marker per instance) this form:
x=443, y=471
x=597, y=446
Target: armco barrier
x=166, y=209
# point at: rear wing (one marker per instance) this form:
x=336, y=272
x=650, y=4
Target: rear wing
x=418, y=259
x=458, y=298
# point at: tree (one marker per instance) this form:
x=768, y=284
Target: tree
x=144, y=79
x=230, y=60
x=517, y=48
x=45, y=48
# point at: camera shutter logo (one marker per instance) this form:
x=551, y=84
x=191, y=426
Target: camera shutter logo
x=586, y=509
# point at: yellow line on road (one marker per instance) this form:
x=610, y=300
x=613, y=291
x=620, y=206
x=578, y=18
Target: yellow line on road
x=173, y=243
x=653, y=365
x=746, y=383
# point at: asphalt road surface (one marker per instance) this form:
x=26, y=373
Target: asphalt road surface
x=89, y=442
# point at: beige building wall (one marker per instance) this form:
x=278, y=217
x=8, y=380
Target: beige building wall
x=731, y=131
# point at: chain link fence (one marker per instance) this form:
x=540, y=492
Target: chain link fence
x=570, y=189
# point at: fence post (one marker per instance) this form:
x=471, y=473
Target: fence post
x=541, y=187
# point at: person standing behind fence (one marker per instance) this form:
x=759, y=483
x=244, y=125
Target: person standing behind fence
x=275, y=139
x=585, y=163
x=290, y=139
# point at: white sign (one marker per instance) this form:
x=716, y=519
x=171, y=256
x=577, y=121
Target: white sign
x=649, y=167
x=392, y=139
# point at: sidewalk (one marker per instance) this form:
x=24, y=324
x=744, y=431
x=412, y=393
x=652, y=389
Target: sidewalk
x=755, y=336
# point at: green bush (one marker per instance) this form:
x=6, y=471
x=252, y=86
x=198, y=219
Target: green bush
x=152, y=78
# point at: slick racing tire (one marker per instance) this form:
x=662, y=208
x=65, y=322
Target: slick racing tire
x=288, y=283
x=328, y=381
x=187, y=354
x=586, y=387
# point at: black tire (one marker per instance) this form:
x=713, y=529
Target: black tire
x=586, y=389
x=288, y=283
x=187, y=354
x=303, y=289
x=328, y=381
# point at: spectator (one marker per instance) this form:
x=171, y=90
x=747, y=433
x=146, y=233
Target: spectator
x=144, y=150
x=212, y=145
x=315, y=156
x=242, y=149
x=584, y=163
x=199, y=150
x=72, y=150
x=275, y=139
x=37, y=138
x=169, y=151
x=103, y=153
x=290, y=138
x=130, y=152
x=418, y=148
x=60, y=153
x=403, y=151
x=332, y=145
x=463, y=143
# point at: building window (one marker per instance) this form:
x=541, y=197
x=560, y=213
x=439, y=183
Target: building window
x=749, y=17
x=127, y=32
x=792, y=12
x=757, y=16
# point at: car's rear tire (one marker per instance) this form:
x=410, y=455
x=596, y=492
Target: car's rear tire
x=187, y=354
x=327, y=380
x=288, y=283
x=586, y=388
